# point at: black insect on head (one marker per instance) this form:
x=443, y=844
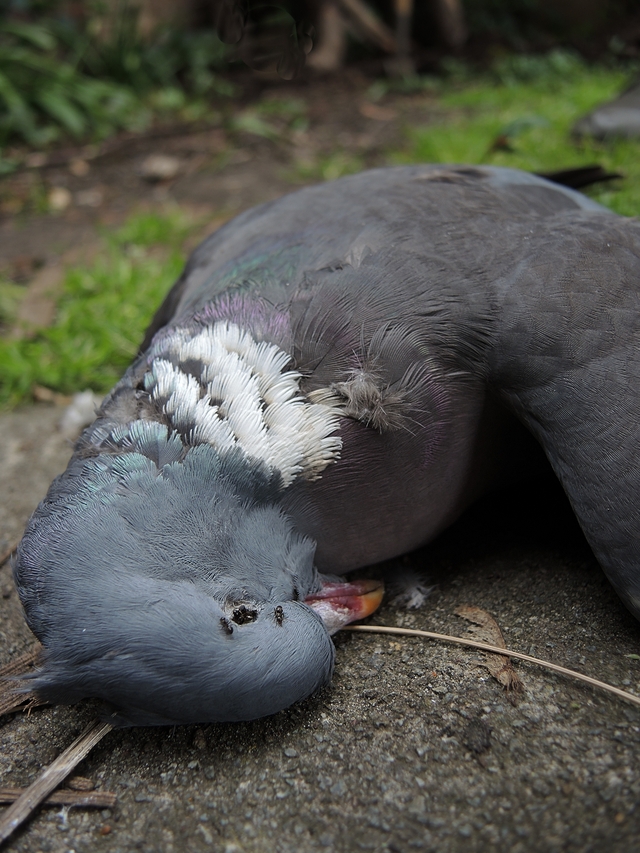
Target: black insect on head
x=227, y=627
x=242, y=614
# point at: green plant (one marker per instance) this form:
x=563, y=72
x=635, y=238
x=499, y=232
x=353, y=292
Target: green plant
x=272, y=118
x=327, y=167
x=101, y=313
x=11, y=295
x=112, y=47
x=59, y=77
x=552, y=69
x=42, y=95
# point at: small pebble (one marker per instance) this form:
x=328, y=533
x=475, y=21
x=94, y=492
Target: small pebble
x=59, y=198
x=159, y=167
x=78, y=167
x=89, y=198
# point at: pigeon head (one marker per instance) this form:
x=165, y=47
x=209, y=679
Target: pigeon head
x=167, y=581
x=160, y=572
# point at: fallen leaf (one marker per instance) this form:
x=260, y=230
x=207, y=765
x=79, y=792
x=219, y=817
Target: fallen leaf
x=486, y=630
x=486, y=647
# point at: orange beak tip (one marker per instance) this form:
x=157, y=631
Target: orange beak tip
x=338, y=604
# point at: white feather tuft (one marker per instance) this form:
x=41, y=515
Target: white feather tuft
x=244, y=398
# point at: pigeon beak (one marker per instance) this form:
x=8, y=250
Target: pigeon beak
x=337, y=604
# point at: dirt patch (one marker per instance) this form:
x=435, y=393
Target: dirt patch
x=282, y=137
x=275, y=139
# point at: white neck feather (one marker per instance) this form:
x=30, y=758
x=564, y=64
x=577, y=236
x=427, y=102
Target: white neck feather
x=243, y=397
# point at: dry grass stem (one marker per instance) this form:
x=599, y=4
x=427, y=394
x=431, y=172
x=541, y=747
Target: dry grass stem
x=22, y=663
x=485, y=647
x=64, y=797
x=12, y=697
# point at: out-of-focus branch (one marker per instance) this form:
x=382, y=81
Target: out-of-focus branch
x=332, y=39
x=336, y=17
x=451, y=22
x=372, y=28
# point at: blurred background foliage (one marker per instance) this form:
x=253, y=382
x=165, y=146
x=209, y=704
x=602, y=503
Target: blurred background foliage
x=88, y=74
x=101, y=313
x=87, y=69
x=76, y=72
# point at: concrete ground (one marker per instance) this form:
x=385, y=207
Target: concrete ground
x=413, y=747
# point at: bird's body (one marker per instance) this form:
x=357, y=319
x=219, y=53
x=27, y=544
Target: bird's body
x=335, y=370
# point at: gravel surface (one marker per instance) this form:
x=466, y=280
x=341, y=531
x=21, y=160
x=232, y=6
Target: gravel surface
x=413, y=747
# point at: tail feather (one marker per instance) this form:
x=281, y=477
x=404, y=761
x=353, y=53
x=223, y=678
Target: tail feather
x=580, y=177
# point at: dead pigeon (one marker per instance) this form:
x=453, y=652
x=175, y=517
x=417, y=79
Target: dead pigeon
x=330, y=383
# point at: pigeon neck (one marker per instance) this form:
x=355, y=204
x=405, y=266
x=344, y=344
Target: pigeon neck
x=217, y=385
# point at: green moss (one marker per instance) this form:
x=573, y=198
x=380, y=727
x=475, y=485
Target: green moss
x=328, y=167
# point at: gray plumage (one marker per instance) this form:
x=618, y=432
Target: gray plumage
x=420, y=306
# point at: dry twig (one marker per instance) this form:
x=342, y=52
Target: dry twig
x=485, y=647
x=11, y=697
x=371, y=25
x=22, y=663
x=65, y=797
x=51, y=777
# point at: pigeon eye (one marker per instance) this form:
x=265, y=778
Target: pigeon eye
x=243, y=614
